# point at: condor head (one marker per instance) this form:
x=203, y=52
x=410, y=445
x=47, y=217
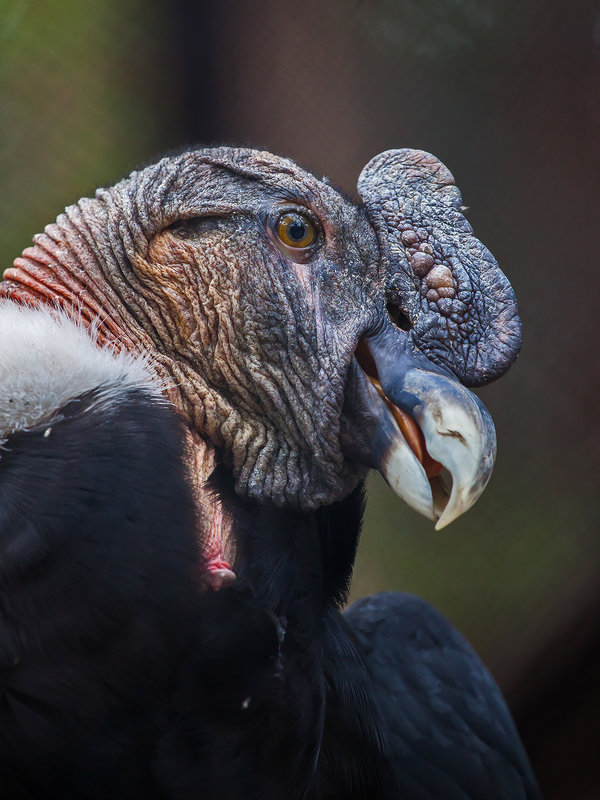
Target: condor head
x=307, y=338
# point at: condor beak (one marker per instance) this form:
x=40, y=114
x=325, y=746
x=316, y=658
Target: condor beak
x=432, y=439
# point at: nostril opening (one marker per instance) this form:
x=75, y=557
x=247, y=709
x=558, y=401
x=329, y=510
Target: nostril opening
x=398, y=316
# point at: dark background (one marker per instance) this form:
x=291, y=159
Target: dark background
x=507, y=94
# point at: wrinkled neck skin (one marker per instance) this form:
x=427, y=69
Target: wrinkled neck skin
x=63, y=270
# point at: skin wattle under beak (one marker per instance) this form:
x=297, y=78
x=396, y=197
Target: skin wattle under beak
x=431, y=438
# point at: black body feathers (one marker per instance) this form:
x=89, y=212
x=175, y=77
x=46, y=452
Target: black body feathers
x=450, y=732
x=121, y=677
x=96, y=577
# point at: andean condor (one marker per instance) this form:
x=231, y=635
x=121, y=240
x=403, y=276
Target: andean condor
x=197, y=369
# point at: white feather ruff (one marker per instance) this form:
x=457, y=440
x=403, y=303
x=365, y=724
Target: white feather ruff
x=46, y=359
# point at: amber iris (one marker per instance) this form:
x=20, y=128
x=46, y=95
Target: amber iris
x=296, y=230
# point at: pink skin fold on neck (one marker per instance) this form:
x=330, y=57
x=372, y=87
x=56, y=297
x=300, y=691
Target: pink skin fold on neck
x=218, y=571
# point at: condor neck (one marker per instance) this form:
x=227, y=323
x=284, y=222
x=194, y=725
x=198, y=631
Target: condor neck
x=298, y=563
x=62, y=270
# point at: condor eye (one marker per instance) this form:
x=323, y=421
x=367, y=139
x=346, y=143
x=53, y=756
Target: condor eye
x=296, y=230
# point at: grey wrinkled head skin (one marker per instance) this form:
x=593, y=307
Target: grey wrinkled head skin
x=461, y=307
x=185, y=260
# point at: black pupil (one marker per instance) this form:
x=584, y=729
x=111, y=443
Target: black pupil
x=297, y=229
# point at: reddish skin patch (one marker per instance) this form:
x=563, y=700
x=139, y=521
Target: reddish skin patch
x=218, y=575
x=218, y=571
x=43, y=288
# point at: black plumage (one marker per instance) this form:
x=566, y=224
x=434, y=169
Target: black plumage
x=450, y=731
x=383, y=701
x=98, y=553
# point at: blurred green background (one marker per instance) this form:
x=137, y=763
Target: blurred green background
x=507, y=94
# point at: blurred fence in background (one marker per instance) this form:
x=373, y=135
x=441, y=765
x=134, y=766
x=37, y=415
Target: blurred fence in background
x=508, y=96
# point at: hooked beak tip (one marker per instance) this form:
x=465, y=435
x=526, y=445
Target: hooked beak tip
x=444, y=475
